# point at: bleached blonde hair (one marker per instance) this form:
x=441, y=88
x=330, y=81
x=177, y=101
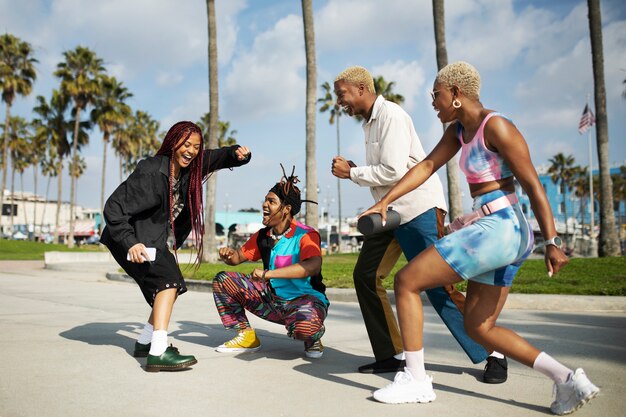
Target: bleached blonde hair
x=462, y=75
x=357, y=75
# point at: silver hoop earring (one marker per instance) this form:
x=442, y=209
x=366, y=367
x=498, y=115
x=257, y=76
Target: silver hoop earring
x=456, y=103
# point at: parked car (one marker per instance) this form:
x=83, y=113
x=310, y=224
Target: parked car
x=92, y=240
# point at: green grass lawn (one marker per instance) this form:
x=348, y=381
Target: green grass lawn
x=584, y=276
x=19, y=250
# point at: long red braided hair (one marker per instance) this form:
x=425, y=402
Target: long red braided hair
x=174, y=139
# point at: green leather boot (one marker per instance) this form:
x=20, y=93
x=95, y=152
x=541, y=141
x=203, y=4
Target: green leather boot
x=141, y=350
x=170, y=360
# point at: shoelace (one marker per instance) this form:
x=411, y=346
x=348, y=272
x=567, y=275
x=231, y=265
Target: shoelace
x=402, y=378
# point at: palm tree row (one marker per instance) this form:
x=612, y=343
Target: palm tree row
x=575, y=179
x=59, y=130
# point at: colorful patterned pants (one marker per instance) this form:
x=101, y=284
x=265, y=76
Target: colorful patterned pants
x=303, y=317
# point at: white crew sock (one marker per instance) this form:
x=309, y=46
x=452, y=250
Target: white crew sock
x=497, y=354
x=551, y=368
x=158, y=343
x=399, y=356
x=415, y=364
x=146, y=334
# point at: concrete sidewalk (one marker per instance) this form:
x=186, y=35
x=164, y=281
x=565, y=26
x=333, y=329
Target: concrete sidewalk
x=68, y=337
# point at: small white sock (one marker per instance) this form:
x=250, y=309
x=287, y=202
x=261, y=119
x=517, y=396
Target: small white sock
x=551, y=368
x=146, y=334
x=399, y=356
x=158, y=342
x=497, y=354
x=415, y=364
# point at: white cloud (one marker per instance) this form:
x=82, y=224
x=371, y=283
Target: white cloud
x=268, y=78
x=167, y=79
x=408, y=78
x=368, y=24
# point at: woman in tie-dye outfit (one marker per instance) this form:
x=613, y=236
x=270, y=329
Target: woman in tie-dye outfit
x=488, y=247
x=288, y=290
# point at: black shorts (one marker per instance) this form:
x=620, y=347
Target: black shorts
x=161, y=274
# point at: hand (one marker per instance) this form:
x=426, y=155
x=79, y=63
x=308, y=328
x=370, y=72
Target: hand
x=340, y=167
x=226, y=254
x=259, y=275
x=242, y=153
x=137, y=254
x=555, y=259
x=380, y=208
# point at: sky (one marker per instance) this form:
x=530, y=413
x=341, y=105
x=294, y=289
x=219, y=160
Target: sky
x=534, y=58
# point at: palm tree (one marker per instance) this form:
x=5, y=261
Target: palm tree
x=19, y=137
x=110, y=112
x=580, y=187
x=210, y=253
x=121, y=142
x=17, y=74
x=225, y=136
x=452, y=173
x=311, y=93
x=79, y=74
x=53, y=125
x=37, y=155
x=142, y=136
x=609, y=243
x=48, y=169
x=562, y=172
x=336, y=111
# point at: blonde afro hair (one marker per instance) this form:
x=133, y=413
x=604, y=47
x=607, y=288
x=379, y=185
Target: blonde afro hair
x=357, y=75
x=462, y=75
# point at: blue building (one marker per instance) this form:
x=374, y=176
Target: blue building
x=567, y=206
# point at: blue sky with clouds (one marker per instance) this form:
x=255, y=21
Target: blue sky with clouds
x=534, y=58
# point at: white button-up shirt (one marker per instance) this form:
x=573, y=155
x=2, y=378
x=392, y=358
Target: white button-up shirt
x=391, y=149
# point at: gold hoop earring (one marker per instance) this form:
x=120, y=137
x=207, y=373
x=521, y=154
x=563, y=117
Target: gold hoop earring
x=456, y=103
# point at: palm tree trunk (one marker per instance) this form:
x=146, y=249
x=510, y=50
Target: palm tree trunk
x=105, y=139
x=454, y=192
x=311, y=89
x=35, y=178
x=210, y=251
x=12, y=201
x=23, y=199
x=45, y=204
x=609, y=243
x=5, y=159
x=70, y=239
x=59, y=198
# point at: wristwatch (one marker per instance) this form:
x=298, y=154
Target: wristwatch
x=556, y=241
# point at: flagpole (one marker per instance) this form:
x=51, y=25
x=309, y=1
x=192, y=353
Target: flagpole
x=591, y=202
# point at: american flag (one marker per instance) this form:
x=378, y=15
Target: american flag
x=586, y=120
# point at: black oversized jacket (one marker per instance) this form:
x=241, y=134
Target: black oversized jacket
x=138, y=210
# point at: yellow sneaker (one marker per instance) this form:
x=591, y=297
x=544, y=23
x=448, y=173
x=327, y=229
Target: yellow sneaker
x=245, y=341
x=315, y=351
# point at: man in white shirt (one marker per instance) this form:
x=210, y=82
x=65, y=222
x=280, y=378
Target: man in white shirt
x=391, y=149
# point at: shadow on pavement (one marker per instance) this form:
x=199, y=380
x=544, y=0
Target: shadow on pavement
x=105, y=334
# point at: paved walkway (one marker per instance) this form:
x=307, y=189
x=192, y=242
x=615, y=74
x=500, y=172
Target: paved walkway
x=67, y=338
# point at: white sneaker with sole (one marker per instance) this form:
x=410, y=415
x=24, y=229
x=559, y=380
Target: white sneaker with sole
x=573, y=394
x=406, y=389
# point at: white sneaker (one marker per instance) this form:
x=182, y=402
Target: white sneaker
x=573, y=394
x=406, y=389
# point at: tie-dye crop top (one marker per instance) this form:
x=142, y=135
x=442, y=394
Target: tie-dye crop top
x=478, y=163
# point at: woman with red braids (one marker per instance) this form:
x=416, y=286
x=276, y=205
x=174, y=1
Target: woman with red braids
x=162, y=199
